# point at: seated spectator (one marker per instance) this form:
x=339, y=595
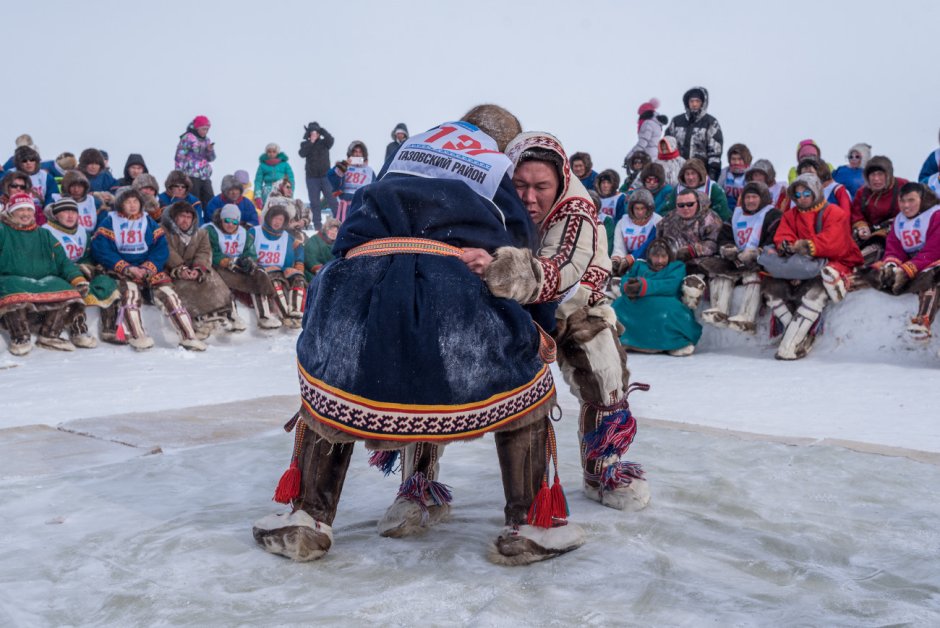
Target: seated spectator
x=272, y=168
x=235, y=259
x=806, y=148
x=852, y=175
x=875, y=206
x=318, y=250
x=634, y=232
x=693, y=176
x=232, y=193
x=835, y=193
x=732, y=177
x=633, y=164
x=63, y=221
x=282, y=195
x=349, y=176
x=76, y=187
x=692, y=231
x=653, y=316
x=15, y=182
x=35, y=276
x=59, y=166
x=911, y=264
x=763, y=172
x=611, y=203
x=91, y=163
x=22, y=140
x=147, y=185
x=205, y=296
x=813, y=254
x=931, y=166
x=132, y=248
x=653, y=178
x=282, y=258
x=27, y=160
x=583, y=168
x=177, y=189
x=133, y=167
x=649, y=128
x=751, y=230
x=671, y=160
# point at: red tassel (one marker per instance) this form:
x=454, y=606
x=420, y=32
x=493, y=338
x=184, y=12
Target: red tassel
x=540, y=512
x=119, y=334
x=559, y=501
x=288, y=488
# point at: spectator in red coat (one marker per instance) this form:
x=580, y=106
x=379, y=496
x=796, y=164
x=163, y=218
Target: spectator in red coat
x=875, y=206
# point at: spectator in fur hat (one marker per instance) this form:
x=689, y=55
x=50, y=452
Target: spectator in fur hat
x=232, y=192
x=194, y=156
x=694, y=176
x=583, y=168
x=282, y=195
x=22, y=140
x=176, y=188
x=282, y=258
x=697, y=132
x=634, y=163
x=60, y=165
x=763, y=172
x=874, y=207
x=852, y=174
x=91, y=164
x=653, y=177
x=399, y=135
x=732, y=176
x=649, y=128
x=634, y=231
x=76, y=187
x=26, y=159
x=147, y=185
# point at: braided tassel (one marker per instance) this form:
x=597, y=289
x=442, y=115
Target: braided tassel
x=119, y=331
x=288, y=488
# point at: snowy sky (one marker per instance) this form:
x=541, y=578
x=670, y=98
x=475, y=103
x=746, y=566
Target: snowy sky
x=128, y=76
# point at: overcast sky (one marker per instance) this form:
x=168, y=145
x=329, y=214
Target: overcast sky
x=128, y=76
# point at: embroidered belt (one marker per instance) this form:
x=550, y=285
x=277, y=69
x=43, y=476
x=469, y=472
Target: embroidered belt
x=399, y=246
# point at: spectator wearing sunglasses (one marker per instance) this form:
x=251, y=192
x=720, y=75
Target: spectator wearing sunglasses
x=178, y=188
x=653, y=180
x=26, y=159
x=14, y=182
x=694, y=176
x=23, y=140
x=852, y=174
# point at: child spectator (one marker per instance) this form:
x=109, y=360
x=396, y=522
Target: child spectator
x=282, y=258
x=634, y=231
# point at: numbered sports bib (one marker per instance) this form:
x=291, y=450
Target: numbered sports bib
x=458, y=151
x=357, y=177
x=634, y=235
x=40, y=182
x=87, y=212
x=271, y=252
x=129, y=234
x=912, y=232
x=608, y=207
x=73, y=244
x=232, y=244
x=747, y=228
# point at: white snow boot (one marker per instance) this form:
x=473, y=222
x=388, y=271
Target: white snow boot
x=422, y=502
x=682, y=352
x=295, y=535
x=797, y=341
x=233, y=322
x=833, y=283
x=720, y=288
x=746, y=319
x=525, y=544
x=78, y=332
x=630, y=498
x=297, y=296
x=919, y=327
x=693, y=287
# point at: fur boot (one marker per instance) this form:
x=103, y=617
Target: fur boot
x=78, y=331
x=266, y=318
x=720, y=288
x=413, y=513
x=173, y=308
x=134, y=324
x=780, y=310
x=797, y=341
x=21, y=341
x=746, y=319
x=682, y=352
x=297, y=295
x=53, y=322
x=693, y=287
x=919, y=327
x=833, y=283
x=234, y=322
x=108, y=325
x=306, y=533
x=631, y=492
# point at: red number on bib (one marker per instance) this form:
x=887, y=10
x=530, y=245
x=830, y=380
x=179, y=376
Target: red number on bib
x=744, y=235
x=911, y=238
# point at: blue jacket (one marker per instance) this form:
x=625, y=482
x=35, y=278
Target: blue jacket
x=104, y=248
x=852, y=178
x=101, y=182
x=588, y=181
x=931, y=166
x=249, y=213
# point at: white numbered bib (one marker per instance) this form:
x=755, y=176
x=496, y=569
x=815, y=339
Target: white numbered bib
x=271, y=252
x=747, y=228
x=458, y=151
x=129, y=234
x=232, y=244
x=912, y=232
x=40, y=182
x=73, y=244
x=357, y=177
x=634, y=235
x=87, y=212
x=609, y=207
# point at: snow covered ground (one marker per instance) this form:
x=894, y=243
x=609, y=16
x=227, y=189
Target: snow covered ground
x=138, y=509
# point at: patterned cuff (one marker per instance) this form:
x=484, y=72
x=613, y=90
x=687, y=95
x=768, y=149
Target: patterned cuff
x=151, y=267
x=78, y=281
x=550, y=279
x=643, y=286
x=910, y=269
x=812, y=247
x=121, y=266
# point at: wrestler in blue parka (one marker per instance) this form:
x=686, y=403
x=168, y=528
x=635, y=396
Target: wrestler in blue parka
x=402, y=344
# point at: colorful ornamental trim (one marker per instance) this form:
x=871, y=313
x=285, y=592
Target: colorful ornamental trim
x=399, y=246
x=380, y=420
